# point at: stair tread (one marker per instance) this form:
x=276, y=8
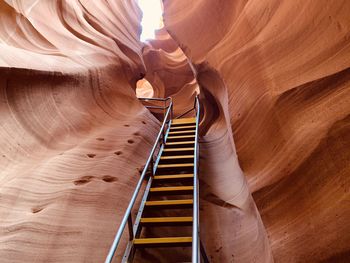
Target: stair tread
x=181, y=132
x=175, y=176
x=162, y=240
x=184, y=120
x=182, y=127
x=170, y=202
x=166, y=219
x=176, y=157
x=175, y=165
x=171, y=188
x=181, y=137
x=178, y=149
x=176, y=143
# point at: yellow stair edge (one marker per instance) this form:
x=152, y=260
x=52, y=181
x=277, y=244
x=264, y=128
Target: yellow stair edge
x=170, y=202
x=175, y=176
x=166, y=219
x=181, y=137
x=171, y=188
x=179, y=149
x=175, y=165
x=176, y=143
x=181, y=132
x=162, y=240
x=182, y=127
x=184, y=120
x=176, y=157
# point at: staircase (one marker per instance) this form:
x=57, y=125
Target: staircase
x=170, y=199
x=173, y=180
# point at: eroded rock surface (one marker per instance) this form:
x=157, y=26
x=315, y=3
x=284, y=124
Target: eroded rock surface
x=73, y=135
x=283, y=69
x=274, y=83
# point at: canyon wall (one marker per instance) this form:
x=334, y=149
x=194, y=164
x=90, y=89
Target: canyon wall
x=169, y=71
x=276, y=74
x=73, y=136
x=274, y=85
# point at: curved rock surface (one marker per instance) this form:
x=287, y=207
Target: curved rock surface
x=284, y=71
x=274, y=83
x=169, y=71
x=73, y=136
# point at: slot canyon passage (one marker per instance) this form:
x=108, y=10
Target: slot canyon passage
x=274, y=82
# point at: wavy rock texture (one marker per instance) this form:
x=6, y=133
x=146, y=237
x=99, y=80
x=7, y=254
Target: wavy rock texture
x=276, y=73
x=169, y=71
x=274, y=81
x=73, y=136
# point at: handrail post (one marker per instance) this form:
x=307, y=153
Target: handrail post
x=164, y=109
x=152, y=166
x=163, y=137
x=172, y=112
x=131, y=232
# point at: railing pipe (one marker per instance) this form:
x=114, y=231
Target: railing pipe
x=195, y=228
x=120, y=231
x=131, y=232
x=155, y=107
x=158, y=99
x=183, y=114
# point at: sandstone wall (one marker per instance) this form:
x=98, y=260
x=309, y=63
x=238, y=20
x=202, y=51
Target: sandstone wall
x=73, y=136
x=283, y=69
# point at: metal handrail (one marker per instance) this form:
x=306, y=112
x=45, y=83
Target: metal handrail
x=164, y=100
x=155, y=107
x=159, y=99
x=195, y=227
x=188, y=111
x=127, y=216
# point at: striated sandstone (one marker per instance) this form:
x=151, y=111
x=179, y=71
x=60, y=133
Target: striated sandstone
x=283, y=69
x=73, y=135
x=274, y=84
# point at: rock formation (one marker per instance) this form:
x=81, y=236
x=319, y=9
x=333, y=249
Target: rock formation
x=73, y=135
x=274, y=83
x=276, y=73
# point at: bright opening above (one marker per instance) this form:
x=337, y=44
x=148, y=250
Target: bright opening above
x=151, y=19
x=144, y=89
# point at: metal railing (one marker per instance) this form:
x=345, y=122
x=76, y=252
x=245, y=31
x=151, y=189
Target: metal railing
x=150, y=165
x=195, y=227
x=164, y=101
x=188, y=111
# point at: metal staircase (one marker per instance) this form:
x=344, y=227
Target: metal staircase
x=172, y=185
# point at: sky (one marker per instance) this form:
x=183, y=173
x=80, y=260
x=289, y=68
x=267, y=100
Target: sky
x=152, y=15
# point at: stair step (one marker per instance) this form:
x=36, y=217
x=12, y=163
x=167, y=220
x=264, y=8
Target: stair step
x=184, y=120
x=175, y=165
x=182, y=137
x=174, y=168
x=163, y=241
x=189, y=127
x=175, y=177
x=181, y=132
x=178, y=149
x=170, y=190
x=166, y=221
x=181, y=203
x=175, y=157
x=186, y=179
x=179, y=143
